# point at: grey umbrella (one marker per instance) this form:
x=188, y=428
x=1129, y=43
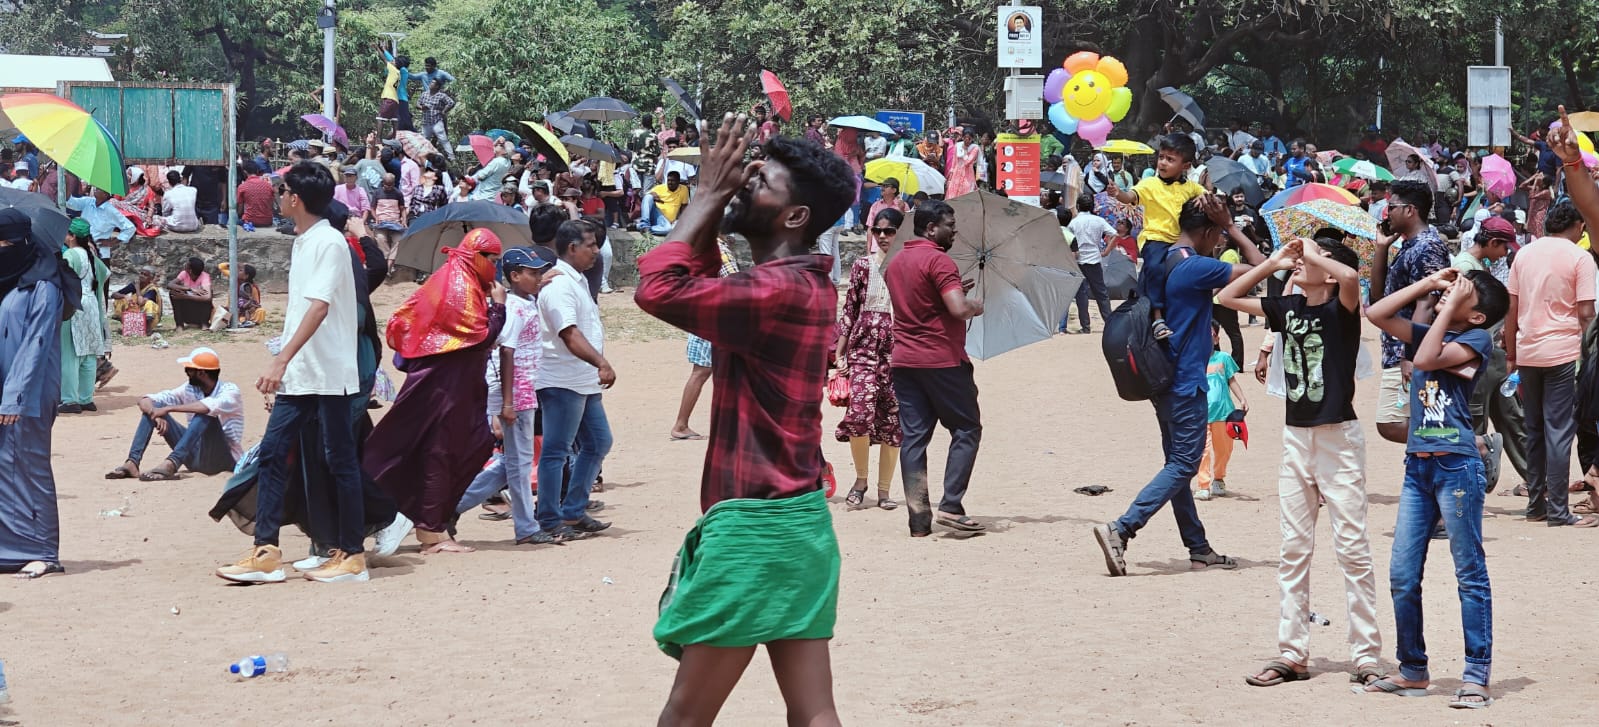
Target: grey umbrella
x=602, y=109
x=420, y=249
x=49, y=223
x=584, y=146
x=1227, y=175
x=1023, y=269
x=569, y=124
x=1183, y=105
x=682, y=97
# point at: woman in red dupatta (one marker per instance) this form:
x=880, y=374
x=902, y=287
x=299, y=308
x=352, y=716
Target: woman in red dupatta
x=436, y=437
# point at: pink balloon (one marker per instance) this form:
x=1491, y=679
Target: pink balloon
x=1590, y=160
x=1054, y=83
x=1095, y=131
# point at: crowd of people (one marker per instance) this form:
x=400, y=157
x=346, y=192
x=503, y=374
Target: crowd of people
x=503, y=352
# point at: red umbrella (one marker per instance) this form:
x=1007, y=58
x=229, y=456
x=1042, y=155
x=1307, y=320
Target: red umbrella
x=483, y=147
x=779, y=96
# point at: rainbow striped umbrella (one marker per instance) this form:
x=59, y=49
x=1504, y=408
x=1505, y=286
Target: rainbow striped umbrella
x=69, y=135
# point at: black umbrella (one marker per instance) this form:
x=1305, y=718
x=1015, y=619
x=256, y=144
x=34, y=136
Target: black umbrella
x=584, y=146
x=420, y=249
x=682, y=97
x=1053, y=180
x=602, y=109
x=1227, y=175
x=569, y=124
x=49, y=223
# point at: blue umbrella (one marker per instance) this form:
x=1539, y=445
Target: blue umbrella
x=498, y=134
x=421, y=248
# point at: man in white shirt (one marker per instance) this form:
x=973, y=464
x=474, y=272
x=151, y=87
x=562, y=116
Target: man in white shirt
x=213, y=441
x=21, y=180
x=107, y=225
x=876, y=146
x=177, y=205
x=572, y=373
x=313, y=375
x=1092, y=235
x=1237, y=138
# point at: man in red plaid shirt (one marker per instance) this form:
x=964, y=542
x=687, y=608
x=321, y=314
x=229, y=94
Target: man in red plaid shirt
x=761, y=566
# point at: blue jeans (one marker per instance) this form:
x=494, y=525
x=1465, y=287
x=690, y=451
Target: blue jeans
x=652, y=219
x=1183, y=421
x=1152, y=276
x=511, y=471
x=202, y=446
x=574, y=424
x=1450, y=486
x=289, y=414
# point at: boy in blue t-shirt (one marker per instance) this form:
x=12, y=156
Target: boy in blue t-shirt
x=1444, y=475
x=1220, y=389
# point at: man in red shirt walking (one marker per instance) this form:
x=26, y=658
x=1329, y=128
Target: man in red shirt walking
x=761, y=565
x=932, y=375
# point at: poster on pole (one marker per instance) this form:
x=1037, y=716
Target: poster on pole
x=1016, y=159
x=1021, y=36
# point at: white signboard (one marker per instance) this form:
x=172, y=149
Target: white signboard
x=1487, y=106
x=1021, y=36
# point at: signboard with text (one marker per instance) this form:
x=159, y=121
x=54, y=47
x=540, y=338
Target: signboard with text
x=1016, y=162
x=1021, y=36
x=1487, y=106
x=915, y=121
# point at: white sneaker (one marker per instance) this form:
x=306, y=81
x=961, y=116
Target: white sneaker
x=387, y=541
x=1201, y=494
x=310, y=563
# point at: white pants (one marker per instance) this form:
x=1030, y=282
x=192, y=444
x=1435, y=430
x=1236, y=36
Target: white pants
x=827, y=244
x=441, y=135
x=606, y=253
x=1330, y=461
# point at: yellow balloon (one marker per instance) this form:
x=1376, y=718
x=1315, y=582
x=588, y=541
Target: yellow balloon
x=1585, y=143
x=1087, y=95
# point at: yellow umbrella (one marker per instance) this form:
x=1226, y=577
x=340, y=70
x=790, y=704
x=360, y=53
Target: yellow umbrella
x=1125, y=146
x=548, y=144
x=914, y=175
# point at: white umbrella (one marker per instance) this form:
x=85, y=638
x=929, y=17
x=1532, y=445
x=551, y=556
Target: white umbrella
x=864, y=123
x=1024, y=271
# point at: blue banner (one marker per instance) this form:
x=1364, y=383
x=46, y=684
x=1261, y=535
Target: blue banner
x=898, y=120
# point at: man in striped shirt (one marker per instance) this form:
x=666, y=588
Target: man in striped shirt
x=212, y=442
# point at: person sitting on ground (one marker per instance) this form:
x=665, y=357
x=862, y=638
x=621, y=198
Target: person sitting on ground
x=662, y=205
x=190, y=292
x=251, y=313
x=141, y=295
x=214, y=439
x=178, y=205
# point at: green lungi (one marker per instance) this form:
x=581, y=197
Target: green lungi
x=752, y=572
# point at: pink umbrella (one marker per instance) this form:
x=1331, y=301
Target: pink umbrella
x=328, y=126
x=483, y=147
x=1498, y=175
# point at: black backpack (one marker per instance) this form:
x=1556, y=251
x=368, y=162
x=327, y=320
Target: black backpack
x=1140, y=365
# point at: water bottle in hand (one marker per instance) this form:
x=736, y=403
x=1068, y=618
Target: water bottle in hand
x=253, y=666
x=1512, y=382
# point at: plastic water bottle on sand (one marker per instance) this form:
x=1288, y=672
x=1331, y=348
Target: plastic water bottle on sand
x=4, y=695
x=253, y=666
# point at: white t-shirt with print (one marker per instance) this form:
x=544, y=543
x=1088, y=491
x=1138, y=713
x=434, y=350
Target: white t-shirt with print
x=520, y=334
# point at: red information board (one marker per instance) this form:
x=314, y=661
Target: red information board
x=1016, y=158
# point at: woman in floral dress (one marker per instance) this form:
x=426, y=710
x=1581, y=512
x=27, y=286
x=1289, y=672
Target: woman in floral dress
x=865, y=340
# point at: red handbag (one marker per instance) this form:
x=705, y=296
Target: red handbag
x=838, y=389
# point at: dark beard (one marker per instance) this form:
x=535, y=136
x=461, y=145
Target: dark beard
x=743, y=218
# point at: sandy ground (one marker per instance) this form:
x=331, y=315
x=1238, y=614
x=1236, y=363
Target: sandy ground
x=1020, y=626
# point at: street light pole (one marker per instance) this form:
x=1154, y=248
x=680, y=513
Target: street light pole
x=328, y=20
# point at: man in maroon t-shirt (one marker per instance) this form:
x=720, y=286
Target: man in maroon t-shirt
x=932, y=375
x=255, y=198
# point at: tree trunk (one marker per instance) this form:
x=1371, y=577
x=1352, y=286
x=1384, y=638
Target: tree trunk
x=1568, y=67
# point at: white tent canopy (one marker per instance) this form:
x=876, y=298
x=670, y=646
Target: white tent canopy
x=42, y=72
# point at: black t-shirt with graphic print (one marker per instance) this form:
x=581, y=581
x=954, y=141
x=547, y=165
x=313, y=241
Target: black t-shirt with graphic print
x=1320, y=346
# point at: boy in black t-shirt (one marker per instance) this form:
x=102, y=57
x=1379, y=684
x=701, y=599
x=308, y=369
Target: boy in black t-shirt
x=1324, y=448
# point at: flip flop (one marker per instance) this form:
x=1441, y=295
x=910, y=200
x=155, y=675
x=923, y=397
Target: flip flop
x=1365, y=674
x=962, y=523
x=120, y=473
x=49, y=569
x=1386, y=686
x=157, y=476
x=1285, y=673
x=1471, y=690
x=495, y=516
x=687, y=437
x=1587, y=521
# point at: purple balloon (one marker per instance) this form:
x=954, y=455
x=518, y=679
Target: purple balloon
x=1054, y=84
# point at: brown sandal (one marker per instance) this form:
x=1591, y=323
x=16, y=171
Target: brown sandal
x=884, y=501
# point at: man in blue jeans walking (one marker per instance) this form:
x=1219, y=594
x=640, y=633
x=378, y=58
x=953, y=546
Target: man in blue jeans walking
x=1192, y=277
x=214, y=439
x=572, y=373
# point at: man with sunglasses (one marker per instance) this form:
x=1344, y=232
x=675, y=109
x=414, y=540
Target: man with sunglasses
x=314, y=375
x=1421, y=254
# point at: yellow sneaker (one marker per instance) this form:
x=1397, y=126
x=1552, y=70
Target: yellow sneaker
x=263, y=564
x=341, y=568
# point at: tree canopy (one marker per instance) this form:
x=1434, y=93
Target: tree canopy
x=1313, y=67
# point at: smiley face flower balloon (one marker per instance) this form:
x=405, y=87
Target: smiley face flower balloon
x=1087, y=95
